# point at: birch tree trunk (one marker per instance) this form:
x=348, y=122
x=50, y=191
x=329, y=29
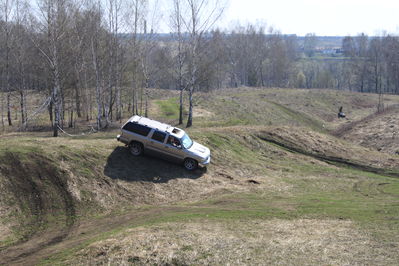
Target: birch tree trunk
x=98, y=88
x=54, y=22
x=118, y=63
x=2, y=111
x=23, y=111
x=190, y=109
x=56, y=92
x=6, y=11
x=202, y=16
x=180, y=55
x=193, y=53
x=9, y=105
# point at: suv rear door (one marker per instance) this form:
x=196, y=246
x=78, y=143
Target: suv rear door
x=140, y=132
x=156, y=143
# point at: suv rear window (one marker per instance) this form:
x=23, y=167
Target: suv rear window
x=159, y=136
x=136, y=128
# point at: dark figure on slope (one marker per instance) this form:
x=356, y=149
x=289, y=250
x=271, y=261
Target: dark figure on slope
x=341, y=114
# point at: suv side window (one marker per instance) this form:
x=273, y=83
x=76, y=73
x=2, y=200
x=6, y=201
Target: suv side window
x=174, y=142
x=159, y=136
x=136, y=128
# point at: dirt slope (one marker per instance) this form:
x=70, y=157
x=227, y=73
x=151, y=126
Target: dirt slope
x=79, y=178
x=48, y=193
x=257, y=242
x=378, y=131
x=72, y=200
x=330, y=149
x=314, y=108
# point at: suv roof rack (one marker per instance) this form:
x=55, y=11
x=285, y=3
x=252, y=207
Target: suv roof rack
x=156, y=125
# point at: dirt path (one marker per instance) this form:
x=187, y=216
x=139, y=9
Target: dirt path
x=44, y=245
x=344, y=129
x=19, y=253
x=334, y=160
x=378, y=131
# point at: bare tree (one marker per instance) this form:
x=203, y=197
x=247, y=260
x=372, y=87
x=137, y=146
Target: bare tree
x=21, y=55
x=113, y=90
x=78, y=39
x=6, y=8
x=202, y=15
x=177, y=26
x=134, y=21
x=310, y=44
x=95, y=43
x=376, y=59
x=52, y=22
x=2, y=111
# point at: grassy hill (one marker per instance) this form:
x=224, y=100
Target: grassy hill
x=280, y=189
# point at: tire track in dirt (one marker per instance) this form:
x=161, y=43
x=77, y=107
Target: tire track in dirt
x=380, y=188
x=338, y=161
x=40, y=192
x=344, y=129
x=83, y=232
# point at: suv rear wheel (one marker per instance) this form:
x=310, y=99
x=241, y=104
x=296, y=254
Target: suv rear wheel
x=190, y=164
x=136, y=148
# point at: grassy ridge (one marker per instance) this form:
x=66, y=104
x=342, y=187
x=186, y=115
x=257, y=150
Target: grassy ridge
x=291, y=186
x=145, y=210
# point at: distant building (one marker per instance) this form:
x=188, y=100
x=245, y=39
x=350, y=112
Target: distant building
x=328, y=51
x=331, y=51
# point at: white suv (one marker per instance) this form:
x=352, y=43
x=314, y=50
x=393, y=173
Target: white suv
x=152, y=137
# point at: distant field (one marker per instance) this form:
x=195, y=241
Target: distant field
x=325, y=41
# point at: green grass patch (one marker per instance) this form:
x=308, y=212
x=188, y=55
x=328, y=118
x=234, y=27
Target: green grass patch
x=301, y=118
x=366, y=211
x=169, y=108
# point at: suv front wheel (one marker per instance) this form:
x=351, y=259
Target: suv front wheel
x=190, y=164
x=136, y=148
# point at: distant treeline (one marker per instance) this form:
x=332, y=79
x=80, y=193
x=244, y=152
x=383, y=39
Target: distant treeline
x=81, y=56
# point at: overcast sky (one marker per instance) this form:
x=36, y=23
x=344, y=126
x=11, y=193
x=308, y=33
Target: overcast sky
x=334, y=17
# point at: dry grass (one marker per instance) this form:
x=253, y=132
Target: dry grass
x=326, y=145
x=102, y=172
x=199, y=112
x=5, y=211
x=294, y=107
x=254, y=242
x=303, y=210
x=381, y=132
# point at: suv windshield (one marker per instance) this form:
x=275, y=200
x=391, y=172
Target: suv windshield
x=187, y=142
